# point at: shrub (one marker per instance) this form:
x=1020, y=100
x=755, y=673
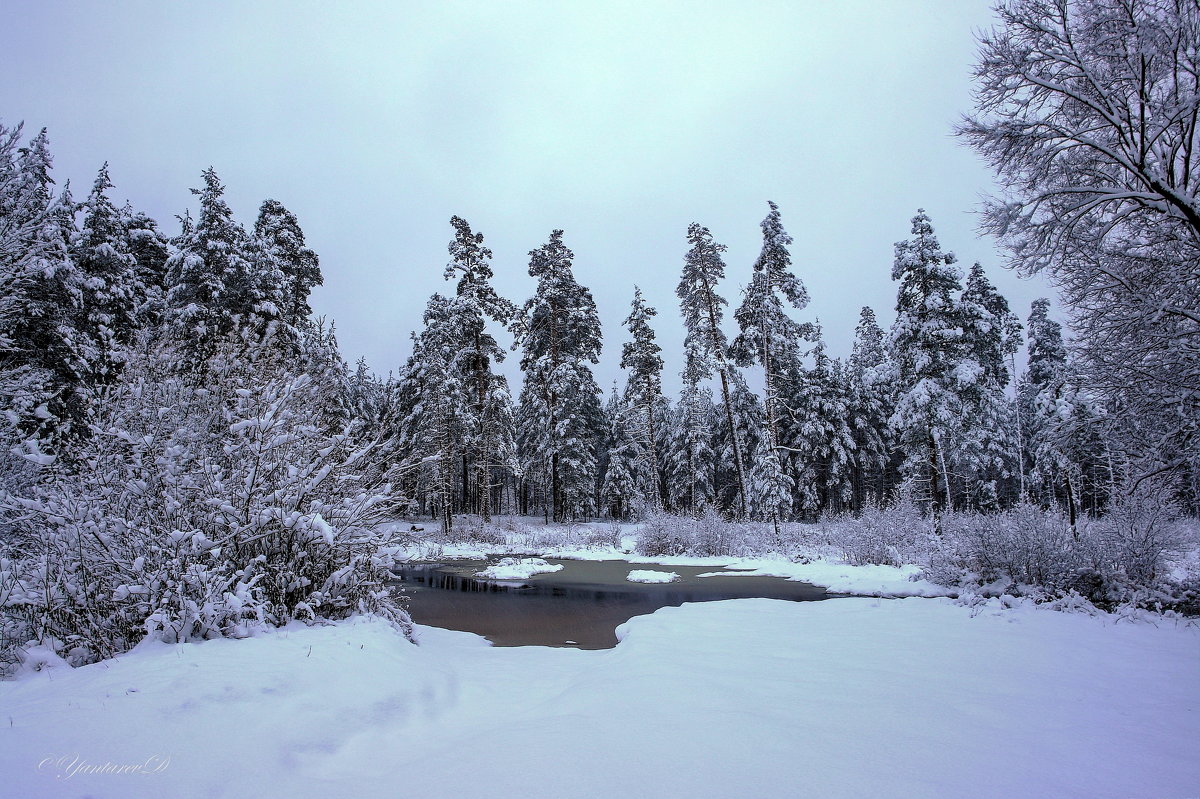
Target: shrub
x=890, y=535
x=196, y=512
x=1025, y=545
x=663, y=534
x=1137, y=534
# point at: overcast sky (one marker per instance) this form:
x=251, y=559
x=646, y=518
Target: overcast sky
x=620, y=122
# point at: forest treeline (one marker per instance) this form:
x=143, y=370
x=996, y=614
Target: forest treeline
x=932, y=407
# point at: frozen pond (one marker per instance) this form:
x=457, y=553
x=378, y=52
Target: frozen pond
x=579, y=606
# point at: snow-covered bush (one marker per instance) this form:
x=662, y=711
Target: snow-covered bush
x=1024, y=545
x=665, y=534
x=198, y=509
x=1117, y=558
x=891, y=535
x=1140, y=530
x=469, y=529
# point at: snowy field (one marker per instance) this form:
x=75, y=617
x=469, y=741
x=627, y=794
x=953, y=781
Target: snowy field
x=845, y=698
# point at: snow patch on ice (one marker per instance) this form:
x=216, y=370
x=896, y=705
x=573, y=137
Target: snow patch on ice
x=651, y=576
x=518, y=569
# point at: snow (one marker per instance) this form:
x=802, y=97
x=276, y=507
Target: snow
x=651, y=576
x=843, y=698
x=841, y=578
x=518, y=569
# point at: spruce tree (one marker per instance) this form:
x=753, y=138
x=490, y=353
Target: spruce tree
x=824, y=443
x=643, y=394
x=213, y=287
x=562, y=420
x=150, y=249
x=926, y=347
x=43, y=354
x=870, y=408
x=433, y=421
x=110, y=292
x=690, y=459
x=278, y=233
x=623, y=489
x=1062, y=422
x=992, y=333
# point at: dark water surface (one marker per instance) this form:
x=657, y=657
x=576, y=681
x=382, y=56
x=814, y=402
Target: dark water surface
x=579, y=606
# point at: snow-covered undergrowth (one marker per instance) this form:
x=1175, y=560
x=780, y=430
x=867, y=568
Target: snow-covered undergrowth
x=518, y=569
x=196, y=511
x=847, y=698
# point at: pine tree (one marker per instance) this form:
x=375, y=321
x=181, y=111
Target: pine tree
x=110, y=291
x=474, y=304
x=927, y=350
x=561, y=417
x=691, y=460
x=643, y=394
x=992, y=333
x=824, y=444
x=42, y=352
x=213, y=287
x=870, y=408
x=770, y=338
x=278, y=233
x=702, y=309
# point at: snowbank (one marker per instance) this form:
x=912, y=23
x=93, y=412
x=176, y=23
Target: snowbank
x=518, y=569
x=841, y=578
x=844, y=698
x=651, y=576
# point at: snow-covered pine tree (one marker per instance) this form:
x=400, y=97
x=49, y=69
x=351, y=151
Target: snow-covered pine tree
x=987, y=453
x=278, y=233
x=690, y=466
x=643, y=394
x=216, y=282
x=1061, y=422
x=702, y=309
x=771, y=338
x=42, y=352
x=926, y=352
x=487, y=449
x=110, y=292
x=433, y=419
x=561, y=414
x=622, y=490
x=824, y=444
x=150, y=249
x=870, y=408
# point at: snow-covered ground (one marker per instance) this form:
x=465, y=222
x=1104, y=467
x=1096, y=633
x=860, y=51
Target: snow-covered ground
x=752, y=697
